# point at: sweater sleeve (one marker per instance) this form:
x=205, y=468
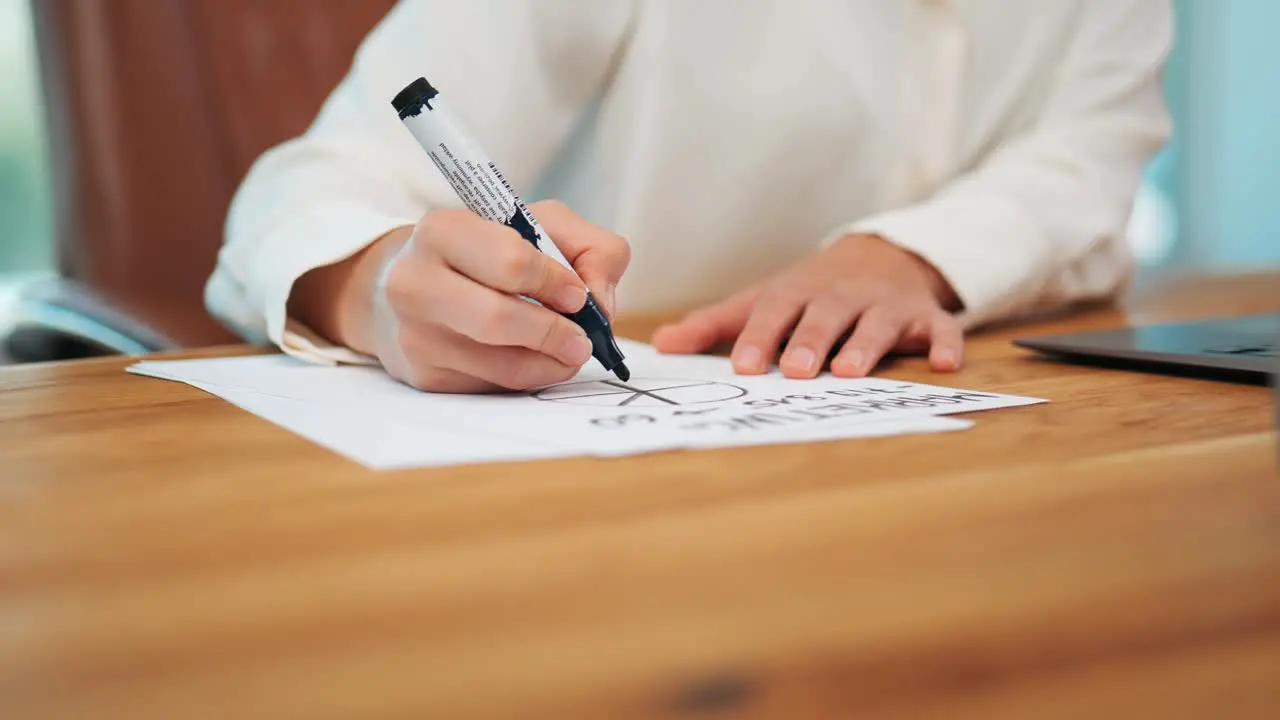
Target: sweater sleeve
x=518, y=73
x=1041, y=220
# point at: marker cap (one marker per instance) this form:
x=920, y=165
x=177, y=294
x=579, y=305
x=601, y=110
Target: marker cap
x=414, y=95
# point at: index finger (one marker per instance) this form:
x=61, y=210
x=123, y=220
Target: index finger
x=599, y=256
x=499, y=258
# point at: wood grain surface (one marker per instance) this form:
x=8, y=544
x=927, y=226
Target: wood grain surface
x=1114, y=553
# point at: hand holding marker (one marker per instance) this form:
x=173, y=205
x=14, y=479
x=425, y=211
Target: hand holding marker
x=485, y=192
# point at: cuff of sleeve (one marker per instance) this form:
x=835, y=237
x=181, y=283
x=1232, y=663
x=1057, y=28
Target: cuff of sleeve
x=299, y=341
x=992, y=254
x=315, y=239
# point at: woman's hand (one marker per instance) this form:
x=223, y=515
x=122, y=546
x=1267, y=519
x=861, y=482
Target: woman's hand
x=438, y=304
x=891, y=298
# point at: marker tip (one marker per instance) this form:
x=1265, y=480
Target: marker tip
x=622, y=372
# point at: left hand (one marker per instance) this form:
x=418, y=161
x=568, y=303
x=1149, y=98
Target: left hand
x=893, y=299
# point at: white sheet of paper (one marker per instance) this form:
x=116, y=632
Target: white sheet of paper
x=385, y=444
x=670, y=402
x=379, y=443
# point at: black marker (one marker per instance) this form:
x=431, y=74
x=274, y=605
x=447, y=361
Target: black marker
x=483, y=189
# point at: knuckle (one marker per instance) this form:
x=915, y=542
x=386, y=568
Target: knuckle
x=821, y=329
x=437, y=226
x=877, y=335
x=873, y=331
x=819, y=323
x=426, y=232
x=830, y=304
x=619, y=250
x=544, y=274
x=494, y=323
x=884, y=315
x=846, y=291
x=526, y=374
x=873, y=286
x=781, y=295
x=513, y=263
x=547, y=335
x=880, y=337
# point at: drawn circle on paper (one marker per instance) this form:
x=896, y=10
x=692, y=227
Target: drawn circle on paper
x=641, y=393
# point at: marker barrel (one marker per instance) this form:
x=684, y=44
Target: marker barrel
x=483, y=189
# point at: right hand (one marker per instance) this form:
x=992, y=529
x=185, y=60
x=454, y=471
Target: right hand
x=438, y=303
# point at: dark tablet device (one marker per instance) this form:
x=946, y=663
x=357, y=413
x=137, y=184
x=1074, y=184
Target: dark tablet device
x=1238, y=348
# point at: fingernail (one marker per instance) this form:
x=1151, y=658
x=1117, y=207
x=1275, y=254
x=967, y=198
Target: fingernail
x=802, y=359
x=571, y=298
x=947, y=359
x=610, y=299
x=576, y=350
x=748, y=358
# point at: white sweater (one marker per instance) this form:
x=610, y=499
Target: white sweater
x=1002, y=140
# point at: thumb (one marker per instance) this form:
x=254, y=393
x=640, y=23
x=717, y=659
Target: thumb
x=597, y=255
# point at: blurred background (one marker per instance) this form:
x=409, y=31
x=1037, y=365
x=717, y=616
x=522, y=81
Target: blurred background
x=25, y=229
x=1208, y=202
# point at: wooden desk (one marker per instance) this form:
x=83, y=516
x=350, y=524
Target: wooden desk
x=1115, y=553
